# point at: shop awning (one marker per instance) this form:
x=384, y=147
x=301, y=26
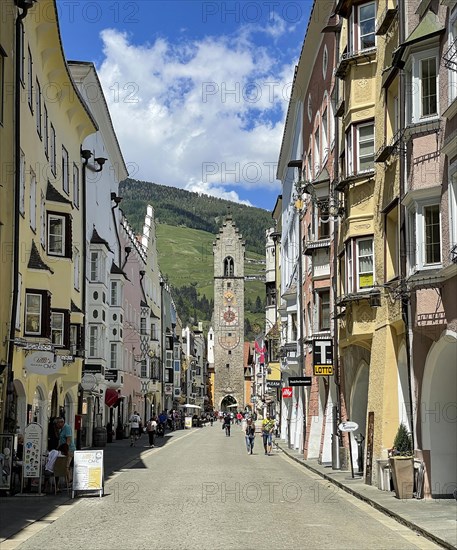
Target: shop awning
x=111, y=397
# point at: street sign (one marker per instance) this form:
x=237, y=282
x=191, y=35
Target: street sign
x=300, y=380
x=287, y=392
x=348, y=426
x=323, y=357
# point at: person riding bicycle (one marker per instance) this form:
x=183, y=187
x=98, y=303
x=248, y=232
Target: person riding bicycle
x=227, y=422
x=162, y=423
x=135, y=421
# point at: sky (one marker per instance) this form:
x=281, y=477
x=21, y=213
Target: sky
x=197, y=90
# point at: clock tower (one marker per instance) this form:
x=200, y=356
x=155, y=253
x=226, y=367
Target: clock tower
x=228, y=250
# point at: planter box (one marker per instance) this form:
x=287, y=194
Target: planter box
x=402, y=468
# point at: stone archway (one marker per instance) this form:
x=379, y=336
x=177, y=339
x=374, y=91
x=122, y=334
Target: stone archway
x=359, y=405
x=438, y=413
x=227, y=402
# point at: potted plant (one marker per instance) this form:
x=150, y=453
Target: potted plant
x=402, y=463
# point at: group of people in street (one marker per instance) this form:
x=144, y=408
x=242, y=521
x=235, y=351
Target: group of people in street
x=268, y=429
x=156, y=425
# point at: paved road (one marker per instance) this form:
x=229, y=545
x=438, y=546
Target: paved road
x=203, y=491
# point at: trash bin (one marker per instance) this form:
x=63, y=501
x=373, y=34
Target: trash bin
x=100, y=437
x=383, y=475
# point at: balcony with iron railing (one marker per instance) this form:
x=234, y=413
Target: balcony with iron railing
x=450, y=57
x=388, y=149
x=354, y=58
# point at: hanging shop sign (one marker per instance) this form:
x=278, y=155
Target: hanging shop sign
x=300, y=380
x=88, y=382
x=348, y=426
x=273, y=383
x=323, y=357
x=43, y=362
x=168, y=389
x=287, y=392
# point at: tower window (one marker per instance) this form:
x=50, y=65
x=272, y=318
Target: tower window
x=229, y=268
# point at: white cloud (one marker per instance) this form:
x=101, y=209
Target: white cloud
x=204, y=115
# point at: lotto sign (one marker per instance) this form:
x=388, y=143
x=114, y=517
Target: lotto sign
x=323, y=357
x=287, y=392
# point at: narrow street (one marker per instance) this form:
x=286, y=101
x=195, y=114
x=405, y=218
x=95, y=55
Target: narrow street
x=202, y=490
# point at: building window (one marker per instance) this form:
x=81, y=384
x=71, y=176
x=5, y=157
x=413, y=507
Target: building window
x=75, y=186
x=43, y=221
x=76, y=260
x=114, y=356
x=317, y=155
x=323, y=298
x=53, y=150
x=33, y=314
x=360, y=148
x=362, y=23
x=229, y=267
x=65, y=170
x=322, y=221
x=144, y=369
x=143, y=326
x=37, y=315
x=57, y=328
x=359, y=273
x=324, y=62
x=425, y=237
x=30, y=80
x=38, y=106
x=74, y=339
x=432, y=234
x=46, y=131
x=94, y=267
x=22, y=184
x=422, y=92
x=325, y=135
x=93, y=341
x=32, y=205
x=391, y=242
x=271, y=294
x=115, y=293
x=59, y=235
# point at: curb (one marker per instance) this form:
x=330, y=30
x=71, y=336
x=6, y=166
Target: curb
x=374, y=504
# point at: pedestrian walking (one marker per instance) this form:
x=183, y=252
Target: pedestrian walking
x=226, y=424
x=135, y=421
x=151, y=428
x=268, y=425
x=250, y=435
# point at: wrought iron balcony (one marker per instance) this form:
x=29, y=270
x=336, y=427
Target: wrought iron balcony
x=353, y=58
x=450, y=57
x=386, y=150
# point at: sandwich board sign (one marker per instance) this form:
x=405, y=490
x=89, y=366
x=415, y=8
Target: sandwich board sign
x=88, y=472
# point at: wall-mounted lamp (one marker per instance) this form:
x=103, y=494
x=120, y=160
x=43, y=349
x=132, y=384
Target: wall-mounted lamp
x=100, y=161
x=375, y=299
x=86, y=154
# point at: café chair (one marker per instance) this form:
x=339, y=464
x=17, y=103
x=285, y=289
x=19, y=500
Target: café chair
x=61, y=470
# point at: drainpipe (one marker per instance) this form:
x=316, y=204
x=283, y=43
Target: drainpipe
x=25, y=6
x=85, y=154
x=336, y=443
x=405, y=299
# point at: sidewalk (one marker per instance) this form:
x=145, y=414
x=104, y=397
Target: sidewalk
x=20, y=511
x=433, y=519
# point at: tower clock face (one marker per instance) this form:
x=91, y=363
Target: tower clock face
x=229, y=316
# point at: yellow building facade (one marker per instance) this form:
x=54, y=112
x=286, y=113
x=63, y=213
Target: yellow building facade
x=7, y=135
x=371, y=332
x=54, y=121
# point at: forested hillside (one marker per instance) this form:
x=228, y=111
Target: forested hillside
x=187, y=224
x=177, y=207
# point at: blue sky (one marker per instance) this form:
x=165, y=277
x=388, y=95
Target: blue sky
x=197, y=91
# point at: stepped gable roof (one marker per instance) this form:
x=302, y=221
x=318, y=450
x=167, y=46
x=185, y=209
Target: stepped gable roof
x=96, y=239
x=74, y=308
x=35, y=261
x=53, y=195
